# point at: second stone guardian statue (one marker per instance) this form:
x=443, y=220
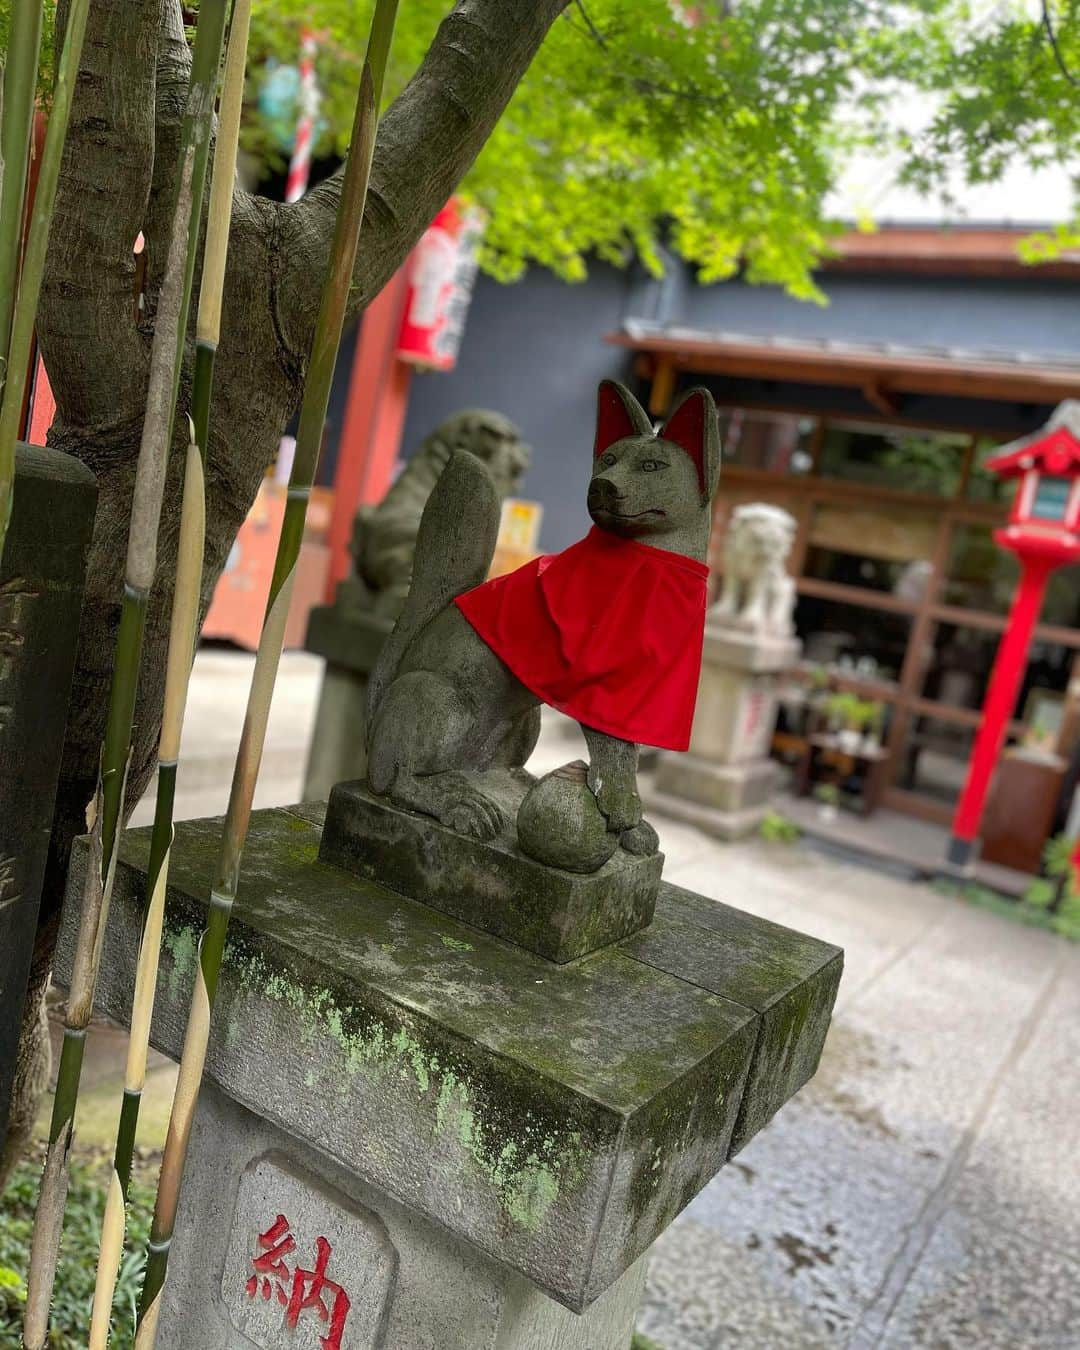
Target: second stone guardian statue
x=609, y=632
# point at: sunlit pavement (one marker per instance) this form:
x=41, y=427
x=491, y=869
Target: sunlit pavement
x=923, y=1190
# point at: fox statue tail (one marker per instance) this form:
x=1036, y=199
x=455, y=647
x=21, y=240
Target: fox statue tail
x=454, y=548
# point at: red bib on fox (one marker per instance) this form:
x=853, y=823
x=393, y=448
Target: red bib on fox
x=609, y=632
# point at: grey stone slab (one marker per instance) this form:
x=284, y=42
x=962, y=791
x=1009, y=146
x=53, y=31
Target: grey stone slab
x=491, y=885
x=557, y=1117
x=443, y=1294
x=788, y=978
x=41, y=584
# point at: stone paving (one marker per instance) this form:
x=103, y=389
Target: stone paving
x=924, y=1189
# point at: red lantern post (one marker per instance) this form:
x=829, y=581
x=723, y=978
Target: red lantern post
x=1044, y=533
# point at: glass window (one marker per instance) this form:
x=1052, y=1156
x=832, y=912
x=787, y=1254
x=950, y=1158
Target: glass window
x=934, y=758
x=959, y=665
x=961, y=659
x=869, y=642
x=1051, y=497
x=982, y=575
x=984, y=485
x=856, y=569
x=895, y=457
x=1062, y=604
x=776, y=442
x=979, y=574
x=866, y=546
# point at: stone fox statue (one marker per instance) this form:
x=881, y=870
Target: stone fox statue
x=609, y=631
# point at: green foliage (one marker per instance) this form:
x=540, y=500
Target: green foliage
x=74, y=1290
x=852, y=711
x=1057, y=855
x=722, y=138
x=827, y=793
x=642, y=1342
x=45, y=60
x=777, y=829
x=1041, y=894
x=1031, y=911
x=1056, y=892
x=1002, y=93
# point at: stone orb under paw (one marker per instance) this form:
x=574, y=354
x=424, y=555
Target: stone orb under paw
x=560, y=824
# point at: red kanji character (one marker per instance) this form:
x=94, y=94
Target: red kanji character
x=299, y=1301
x=276, y=1243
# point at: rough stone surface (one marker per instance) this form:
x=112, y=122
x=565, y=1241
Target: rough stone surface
x=289, y=1233
x=432, y=1291
x=556, y=1117
x=491, y=885
x=790, y=979
x=41, y=583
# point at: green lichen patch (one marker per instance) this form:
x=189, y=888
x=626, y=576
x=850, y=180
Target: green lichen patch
x=526, y=1156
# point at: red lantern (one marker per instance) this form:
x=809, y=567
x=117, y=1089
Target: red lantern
x=1044, y=532
x=442, y=271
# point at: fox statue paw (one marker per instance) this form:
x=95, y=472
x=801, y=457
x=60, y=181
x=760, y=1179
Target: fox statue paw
x=470, y=812
x=641, y=840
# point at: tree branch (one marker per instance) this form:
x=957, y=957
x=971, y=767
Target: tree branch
x=427, y=142
x=1055, y=46
x=173, y=74
x=86, y=323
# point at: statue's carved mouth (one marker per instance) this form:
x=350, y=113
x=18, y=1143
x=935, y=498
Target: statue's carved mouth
x=629, y=515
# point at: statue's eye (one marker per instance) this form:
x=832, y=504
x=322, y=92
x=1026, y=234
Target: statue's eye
x=651, y=465
x=608, y=460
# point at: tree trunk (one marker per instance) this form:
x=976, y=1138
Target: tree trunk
x=116, y=180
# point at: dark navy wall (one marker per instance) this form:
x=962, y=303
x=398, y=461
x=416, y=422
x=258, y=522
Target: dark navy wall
x=535, y=351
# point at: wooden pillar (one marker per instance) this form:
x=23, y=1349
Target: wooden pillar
x=374, y=418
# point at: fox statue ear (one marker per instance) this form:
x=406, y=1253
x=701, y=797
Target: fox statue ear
x=694, y=428
x=618, y=415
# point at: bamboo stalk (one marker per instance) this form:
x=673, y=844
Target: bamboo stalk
x=33, y=264
x=234, y=833
x=165, y=361
x=19, y=86
x=182, y=636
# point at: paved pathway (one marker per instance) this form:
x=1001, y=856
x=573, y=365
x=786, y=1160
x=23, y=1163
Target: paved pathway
x=924, y=1189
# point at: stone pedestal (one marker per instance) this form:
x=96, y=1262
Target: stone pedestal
x=41, y=586
x=350, y=642
x=467, y=1144
x=726, y=779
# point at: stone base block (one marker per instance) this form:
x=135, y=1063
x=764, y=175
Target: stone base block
x=745, y=650
x=725, y=825
x=550, y=1120
x=395, y=1281
x=731, y=788
x=493, y=886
